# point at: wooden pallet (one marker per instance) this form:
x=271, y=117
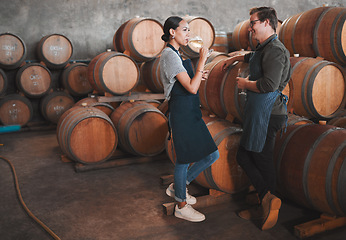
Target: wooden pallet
x=118, y=159
x=322, y=224
x=130, y=97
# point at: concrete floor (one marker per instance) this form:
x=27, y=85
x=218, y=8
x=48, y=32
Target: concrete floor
x=114, y=203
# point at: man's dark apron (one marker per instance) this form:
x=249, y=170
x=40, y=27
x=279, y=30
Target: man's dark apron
x=191, y=138
x=257, y=110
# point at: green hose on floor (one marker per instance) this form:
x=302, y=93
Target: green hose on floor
x=23, y=204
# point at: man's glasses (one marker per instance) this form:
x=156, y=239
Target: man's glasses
x=253, y=22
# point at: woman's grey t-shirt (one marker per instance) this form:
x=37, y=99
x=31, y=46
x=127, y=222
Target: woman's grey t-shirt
x=170, y=66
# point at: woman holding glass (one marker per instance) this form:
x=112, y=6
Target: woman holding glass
x=194, y=146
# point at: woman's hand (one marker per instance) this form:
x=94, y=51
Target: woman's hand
x=205, y=75
x=203, y=54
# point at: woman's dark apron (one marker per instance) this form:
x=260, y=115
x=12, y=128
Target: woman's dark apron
x=257, y=110
x=191, y=138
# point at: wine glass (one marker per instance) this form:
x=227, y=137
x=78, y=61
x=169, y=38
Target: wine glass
x=196, y=42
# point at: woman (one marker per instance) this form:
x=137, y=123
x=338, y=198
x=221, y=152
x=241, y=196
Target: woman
x=191, y=138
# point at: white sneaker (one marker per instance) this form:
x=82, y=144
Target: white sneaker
x=189, y=199
x=188, y=213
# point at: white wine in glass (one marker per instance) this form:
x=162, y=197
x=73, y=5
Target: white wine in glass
x=196, y=42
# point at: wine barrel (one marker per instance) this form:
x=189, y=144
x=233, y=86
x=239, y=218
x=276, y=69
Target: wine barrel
x=117, y=38
x=105, y=107
x=87, y=100
x=150, y=75
x=338, y=121
x=199, y=26
x=232, y=101
x=15, y=109
x=55, y=51
x=153, y=102
x=329, y=35
x=163, y=107
x=140, y=38
x=86, y=135
x=142, y=128
x=238, y=53
x=3, y=82
x=75, y=79
x=242, y=38
x=113, y=72
x=211, y=89
x=221, y=42
x=34, y=80
x=294, y=119
x=240, y=35
x=319, y=87
x=311, y=167
x=225, y=174
x=231, y=47
x=317, y=32
x=216, y=56
x=54, y=104
x=12, y=51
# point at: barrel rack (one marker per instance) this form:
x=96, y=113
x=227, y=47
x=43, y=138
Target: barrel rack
x=324, y=223
x=118, y=159
x=130, y=97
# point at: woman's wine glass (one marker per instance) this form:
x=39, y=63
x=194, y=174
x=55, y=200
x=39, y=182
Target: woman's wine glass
x=196, y=42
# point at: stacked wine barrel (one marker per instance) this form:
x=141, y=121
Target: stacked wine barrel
x=317, y=88
x=90, y=132
x=309, y=157
x=33, y=84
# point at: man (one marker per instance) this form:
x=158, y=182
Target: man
x=265, y=112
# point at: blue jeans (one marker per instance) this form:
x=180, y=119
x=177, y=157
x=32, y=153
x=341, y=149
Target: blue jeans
x=183, y=175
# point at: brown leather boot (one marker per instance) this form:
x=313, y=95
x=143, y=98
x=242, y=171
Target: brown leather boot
x=271, y=205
